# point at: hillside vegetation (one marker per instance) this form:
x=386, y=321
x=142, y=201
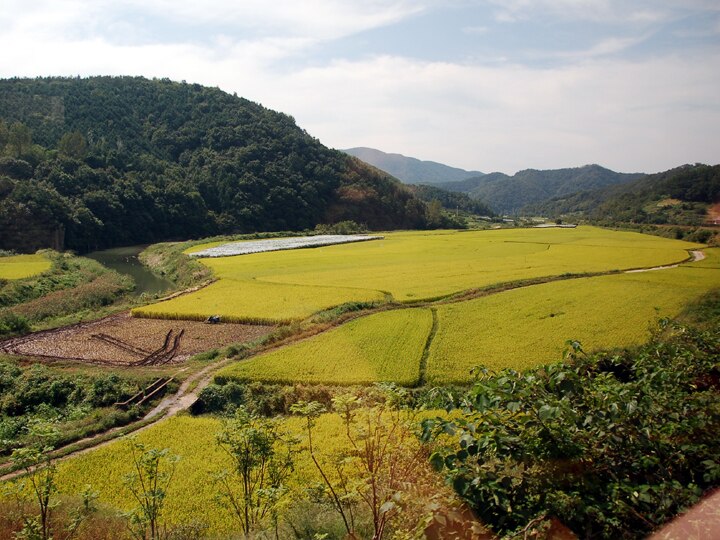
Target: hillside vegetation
x=508, y=194
x=678, y=196
x=106, y=161
x=451, y=200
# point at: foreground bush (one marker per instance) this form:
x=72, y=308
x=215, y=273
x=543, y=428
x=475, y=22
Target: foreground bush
x=613, y=446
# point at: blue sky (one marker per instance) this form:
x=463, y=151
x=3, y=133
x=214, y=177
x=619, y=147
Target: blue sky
x=486, y=85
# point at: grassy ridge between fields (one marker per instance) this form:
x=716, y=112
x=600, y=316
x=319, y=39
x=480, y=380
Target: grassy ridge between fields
x=407, y=267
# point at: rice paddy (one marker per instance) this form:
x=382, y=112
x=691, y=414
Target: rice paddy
x=386, y=346
x=527, y=327
x=23, y=266
x=407, y=267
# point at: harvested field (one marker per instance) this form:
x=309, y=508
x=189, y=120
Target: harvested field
x=123, y=340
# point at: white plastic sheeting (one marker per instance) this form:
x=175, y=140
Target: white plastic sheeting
x=277, y=244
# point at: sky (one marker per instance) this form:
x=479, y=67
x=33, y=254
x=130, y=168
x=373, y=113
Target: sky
x=489, y=85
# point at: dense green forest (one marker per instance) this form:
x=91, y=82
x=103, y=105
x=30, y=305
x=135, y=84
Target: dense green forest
x=106, y=161
x=678, y=196
x=451, y=200
x=508, y=194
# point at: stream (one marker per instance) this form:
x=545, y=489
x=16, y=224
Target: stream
x=125, y=261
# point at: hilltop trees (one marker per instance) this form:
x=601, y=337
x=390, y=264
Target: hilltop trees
x=129, y=160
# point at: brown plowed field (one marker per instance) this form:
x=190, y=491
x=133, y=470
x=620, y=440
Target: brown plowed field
x=123, y=340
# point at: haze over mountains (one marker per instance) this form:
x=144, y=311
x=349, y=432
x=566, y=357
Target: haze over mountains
x=509, y=194
x=503, y=193
x=411, y=170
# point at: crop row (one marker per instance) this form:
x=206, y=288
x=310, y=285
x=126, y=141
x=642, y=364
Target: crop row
x=257, y=302
x=381, y=347
x=192, y=495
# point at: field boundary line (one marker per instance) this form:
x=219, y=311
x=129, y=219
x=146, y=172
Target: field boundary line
x=422, y=379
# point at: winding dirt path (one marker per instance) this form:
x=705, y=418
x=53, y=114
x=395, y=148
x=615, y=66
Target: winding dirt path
x=697, y=255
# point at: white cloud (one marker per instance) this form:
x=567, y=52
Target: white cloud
x=643, y=115
x=630, y=116
x=615, y=11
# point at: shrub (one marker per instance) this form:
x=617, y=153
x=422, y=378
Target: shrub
x=13, y=325
x=612, y=445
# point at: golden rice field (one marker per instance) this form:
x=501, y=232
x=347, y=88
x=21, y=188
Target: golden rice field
x=22, y=266
x=407, y=267
x=192, y=493
x=525, y=327
x=519, y=328
x=385, y=346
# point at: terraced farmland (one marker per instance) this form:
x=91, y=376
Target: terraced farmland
x=519, y=328
x=526, y=327
x=407, y=267
x=385, y=346
x=22, y=266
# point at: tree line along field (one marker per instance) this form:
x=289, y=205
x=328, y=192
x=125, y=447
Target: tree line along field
x=22, y=266
x=518, y=328
x=278, y=287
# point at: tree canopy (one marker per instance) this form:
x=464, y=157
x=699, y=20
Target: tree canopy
x=108, y=161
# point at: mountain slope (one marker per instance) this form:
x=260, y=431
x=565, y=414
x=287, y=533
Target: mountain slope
x=451, y=200
x=108, y=161
x=411, y=170
x=677, y=196
x=508, y=194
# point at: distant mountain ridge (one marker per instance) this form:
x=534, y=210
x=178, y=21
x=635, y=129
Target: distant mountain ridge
x=411, y=170
x=677, y=196
x=509, y=194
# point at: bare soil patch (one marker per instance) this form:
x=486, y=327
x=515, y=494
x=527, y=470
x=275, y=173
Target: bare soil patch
x=124, y=340
x=713, y=215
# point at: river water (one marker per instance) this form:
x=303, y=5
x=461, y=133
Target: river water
x=125, y=261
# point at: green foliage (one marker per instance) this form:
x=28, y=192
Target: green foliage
x=148, y=483
x=689, y=188
x=13, y=325
x=612, y=445
x=74, y=404
x=141, y=161
x=451, y=200
x=343, y=227
x=72, y=285
x=373, y=469
x=508, y=194
x=262, y=458
x=38, y=488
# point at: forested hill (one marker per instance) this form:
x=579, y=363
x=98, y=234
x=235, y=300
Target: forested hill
x=108, y=161
x=508, y=194
x=678, y=196
x=411, y=170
